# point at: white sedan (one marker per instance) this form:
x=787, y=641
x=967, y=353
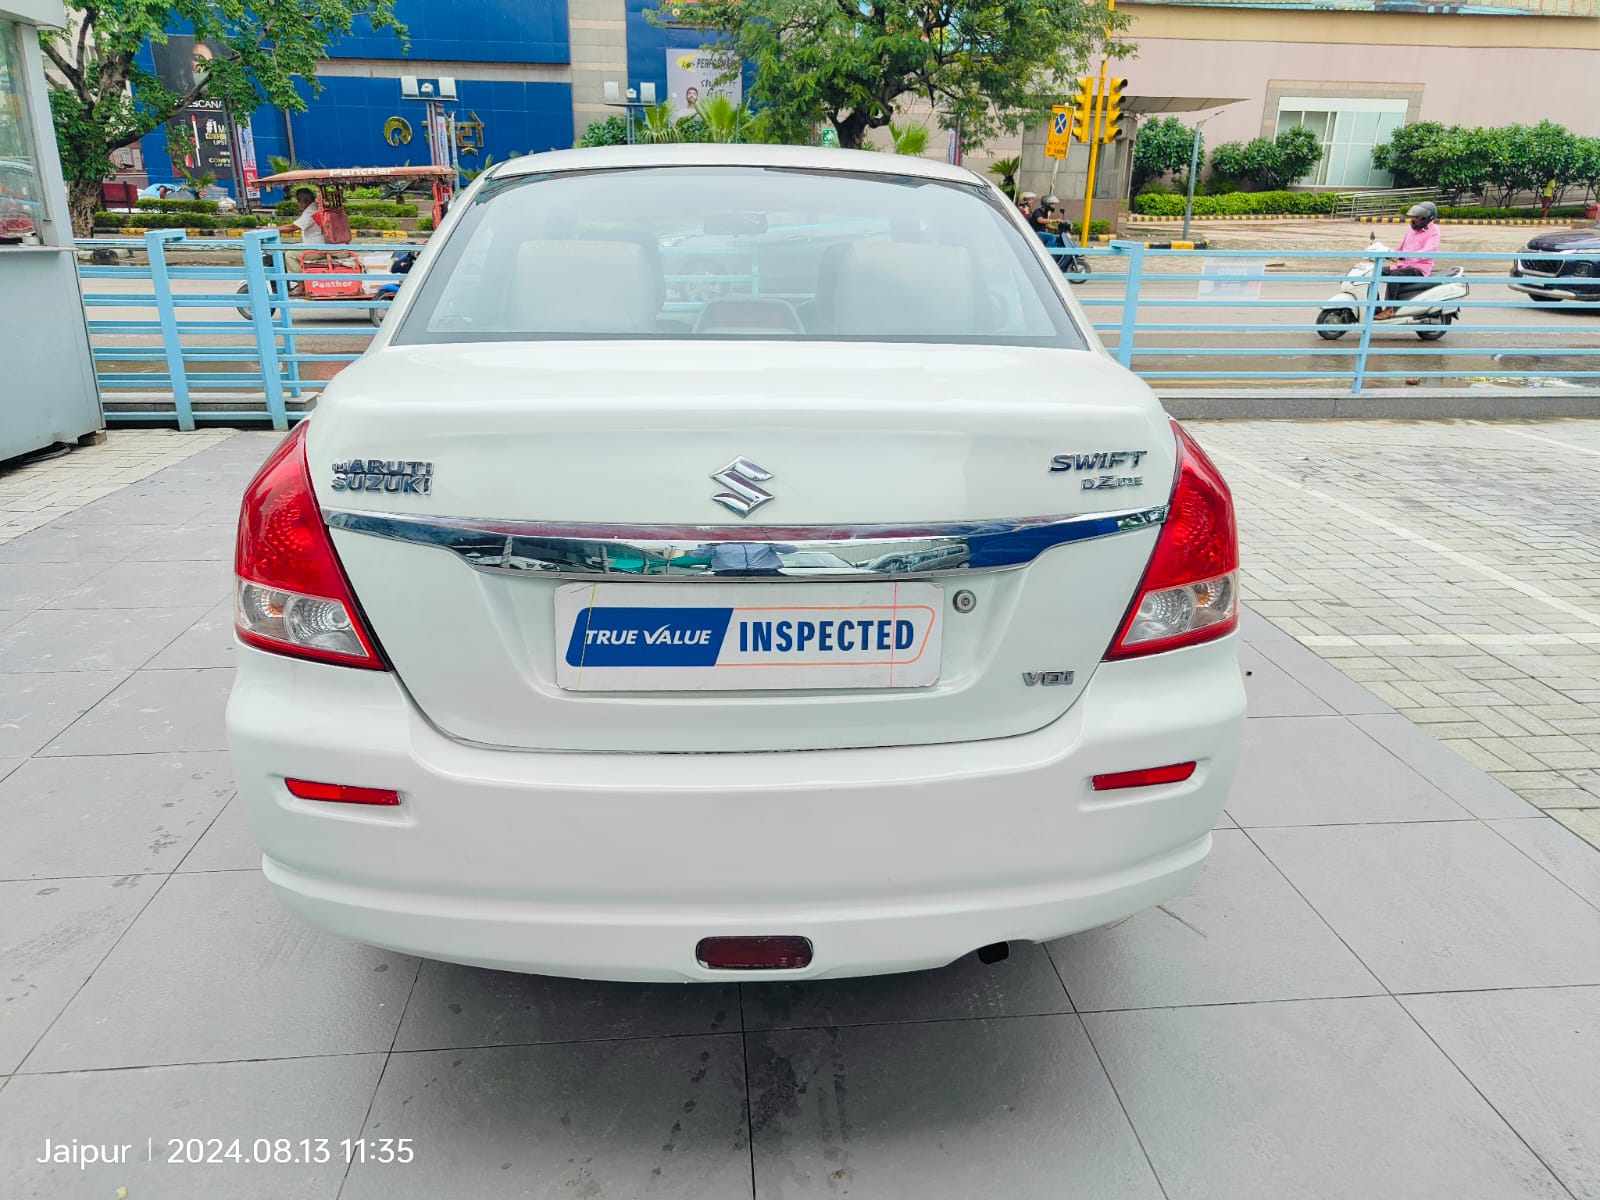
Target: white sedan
x=523, y=680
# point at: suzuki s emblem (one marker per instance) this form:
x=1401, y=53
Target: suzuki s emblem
x=740, y=477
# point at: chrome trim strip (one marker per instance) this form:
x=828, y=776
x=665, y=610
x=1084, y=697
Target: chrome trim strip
x=847, y=552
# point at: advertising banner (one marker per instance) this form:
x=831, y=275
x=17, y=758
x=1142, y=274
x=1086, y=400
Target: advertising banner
x=692, y=76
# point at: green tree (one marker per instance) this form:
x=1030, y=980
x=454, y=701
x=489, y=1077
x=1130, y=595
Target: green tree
x=1163, y=148
x=989, y=64
x=724, y=120
x=1406, y=155
x=1586, y=166
x=1270, y=164
x=267, y=45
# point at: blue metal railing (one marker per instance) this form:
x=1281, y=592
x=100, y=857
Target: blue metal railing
x=264, y=363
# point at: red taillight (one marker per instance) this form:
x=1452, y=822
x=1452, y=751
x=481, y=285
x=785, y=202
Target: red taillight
x=340, y=793
x=1144, y=777
x=1189, y=592
x=292, y=596
x=754, y=953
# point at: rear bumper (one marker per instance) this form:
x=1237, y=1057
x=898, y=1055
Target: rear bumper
x=613, y=866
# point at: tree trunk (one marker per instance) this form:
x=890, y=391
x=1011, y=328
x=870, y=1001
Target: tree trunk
x=852, y=130
x=83, y=201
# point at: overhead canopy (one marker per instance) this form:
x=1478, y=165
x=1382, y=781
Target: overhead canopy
x=354, y=175
x=1172, y=104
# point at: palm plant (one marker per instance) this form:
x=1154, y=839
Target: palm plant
x=1005, y=169
x=657, y=125
x=724, y=120
x=909, y=139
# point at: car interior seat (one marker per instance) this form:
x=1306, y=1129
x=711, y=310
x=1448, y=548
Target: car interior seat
x=589, y=286
x=893, y=289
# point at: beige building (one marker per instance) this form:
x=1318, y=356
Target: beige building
x=1348, y=70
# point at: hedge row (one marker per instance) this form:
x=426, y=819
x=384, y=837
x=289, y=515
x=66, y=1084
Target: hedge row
x=197, y=206
x=165, y=220
x=1479, y=212
x=361, y=208
x=1163, y=204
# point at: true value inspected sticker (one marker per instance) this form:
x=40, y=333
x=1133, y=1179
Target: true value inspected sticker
x=737, y=637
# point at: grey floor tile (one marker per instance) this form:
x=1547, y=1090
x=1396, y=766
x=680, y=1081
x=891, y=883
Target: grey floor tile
x=215, y=969
x=1013, y=1107
x=112, y=815
x=1324, y=680
x=55, y=639
x=1225, y=821
x=138, y=585
x=147, y=507
x=1256, y=629
x=194, y=542
x=228, y=845
x=154, y=712
x=1464, y=783
x=1558, y=850
x=51, y=937
x=317, y=1100
x=1326, y=771
x=10, y=616
x=1536, y=1056
x=1312, y=1098
x=27, y=585
x=1269, y=692
x=1024, y=984
x=207, y=643
x=1441, y=907
x=1238, y=933
x=465, y=1006
x=649, y=1117
x=8, y=765
x=36, y=706
x=92, y=545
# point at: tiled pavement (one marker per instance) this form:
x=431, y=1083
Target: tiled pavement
x=34, y=495
x=1385, y=983
x=1451, y=567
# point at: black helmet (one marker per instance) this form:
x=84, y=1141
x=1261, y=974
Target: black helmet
x=1426, y=209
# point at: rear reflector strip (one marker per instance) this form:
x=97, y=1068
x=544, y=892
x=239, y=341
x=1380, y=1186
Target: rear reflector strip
x=754, y=953
x=340, y=793
x=1145, y=777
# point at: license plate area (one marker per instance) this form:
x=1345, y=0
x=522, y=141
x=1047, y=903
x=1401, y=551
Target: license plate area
x=632, y=637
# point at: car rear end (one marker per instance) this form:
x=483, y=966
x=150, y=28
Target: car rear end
x=594, y=636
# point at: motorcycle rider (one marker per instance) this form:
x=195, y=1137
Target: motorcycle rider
x=1039, y=217
x=1423, y=235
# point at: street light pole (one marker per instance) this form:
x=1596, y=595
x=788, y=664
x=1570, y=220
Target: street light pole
x=1194, y=169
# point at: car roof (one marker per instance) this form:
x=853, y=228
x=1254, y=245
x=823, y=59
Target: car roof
x=703, y=154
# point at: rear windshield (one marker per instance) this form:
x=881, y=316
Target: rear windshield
x=737, y=252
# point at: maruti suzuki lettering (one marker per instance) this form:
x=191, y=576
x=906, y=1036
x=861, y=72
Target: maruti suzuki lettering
x=724, y=588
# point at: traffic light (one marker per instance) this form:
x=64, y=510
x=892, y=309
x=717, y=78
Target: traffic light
x=1082, y=108
x=1113, y=111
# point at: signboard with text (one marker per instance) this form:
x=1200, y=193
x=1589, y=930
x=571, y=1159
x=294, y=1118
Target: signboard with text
x=1059, y=136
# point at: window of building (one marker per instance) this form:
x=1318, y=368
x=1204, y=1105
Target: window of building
x=1348, y=130
x=20, y=194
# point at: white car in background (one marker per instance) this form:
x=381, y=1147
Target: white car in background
x=523, y=682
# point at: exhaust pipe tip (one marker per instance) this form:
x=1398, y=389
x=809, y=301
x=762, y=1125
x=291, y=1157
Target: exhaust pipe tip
x=994, y=952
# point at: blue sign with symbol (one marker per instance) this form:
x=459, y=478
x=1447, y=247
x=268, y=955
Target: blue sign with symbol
x=1061, y=122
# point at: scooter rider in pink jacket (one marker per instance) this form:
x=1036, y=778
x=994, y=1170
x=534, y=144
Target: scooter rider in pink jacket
x=1423, y=235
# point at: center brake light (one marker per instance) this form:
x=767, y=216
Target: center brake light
x=291, y=594
x=1190, y=590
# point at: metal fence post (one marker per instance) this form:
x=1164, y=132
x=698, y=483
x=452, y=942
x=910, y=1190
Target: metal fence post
x=282, y=289
x=1130, y=299
x=261, y=296
x=1374, y=290
x=155, y=244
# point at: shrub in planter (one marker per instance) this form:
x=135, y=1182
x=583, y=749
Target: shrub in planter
x=155, y=205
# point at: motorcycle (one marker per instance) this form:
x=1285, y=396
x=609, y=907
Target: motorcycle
x=399, y=264
x=1070, y=264
x=1428, y=300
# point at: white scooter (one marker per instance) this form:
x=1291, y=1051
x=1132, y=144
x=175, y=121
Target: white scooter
x=1430, y=301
